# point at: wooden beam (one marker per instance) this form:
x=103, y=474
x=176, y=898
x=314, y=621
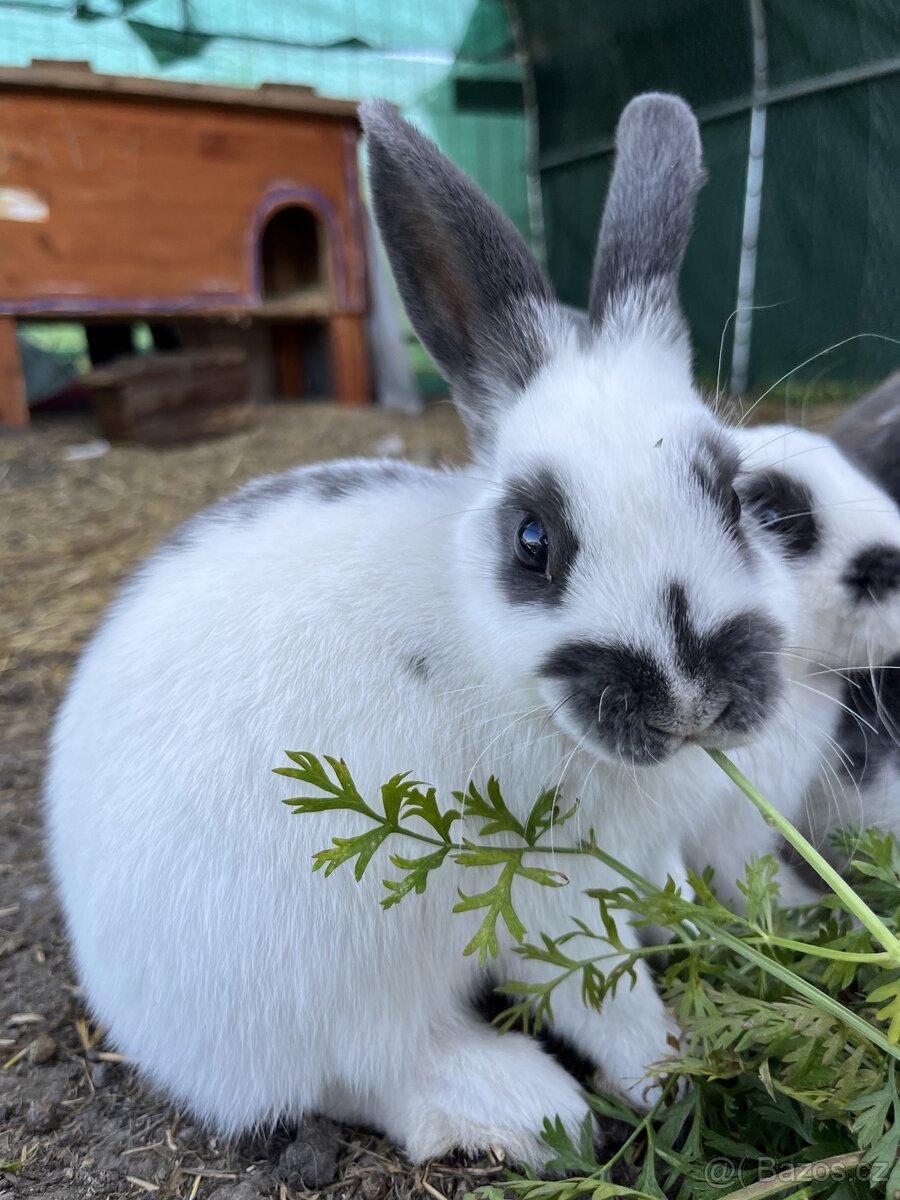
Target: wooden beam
x=289, y=365
x=349, y=360
x=74, y=78
x=13, y=405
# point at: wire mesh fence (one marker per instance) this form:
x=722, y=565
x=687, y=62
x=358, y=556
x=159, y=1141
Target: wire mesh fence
x=825, y=258
x=818, y=263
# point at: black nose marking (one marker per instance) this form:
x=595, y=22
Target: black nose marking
x=690, y=650
x=874, y=573
x=613, y=690
x=641, y=709
x=734, y=661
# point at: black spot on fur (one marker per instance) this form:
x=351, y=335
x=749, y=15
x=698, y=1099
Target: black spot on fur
x=489, y=1002
x=325, y=481
x=715, y=467
x=741, y=652
x=796, y=862
x=869, y=730
x=874, y=573
x=485, y=999
x=569, y=1056
x=419, y=667
x=785, y=507
x=541, y=496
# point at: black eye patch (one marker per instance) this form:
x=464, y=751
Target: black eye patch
x=714, y=468
x=531, y=502
x=784, y=507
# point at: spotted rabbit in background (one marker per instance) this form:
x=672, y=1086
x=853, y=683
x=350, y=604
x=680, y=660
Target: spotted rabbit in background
x=859, y=786
x=840, y=536
x=582, y=608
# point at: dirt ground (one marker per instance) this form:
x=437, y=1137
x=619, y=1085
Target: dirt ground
x=74, y=1120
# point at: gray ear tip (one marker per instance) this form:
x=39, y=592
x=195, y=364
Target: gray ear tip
x=658, y=102
x=378, y=117
x=660, y=118
x=650, y=206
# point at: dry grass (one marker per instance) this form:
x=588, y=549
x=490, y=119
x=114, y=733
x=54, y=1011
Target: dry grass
x=73, y=530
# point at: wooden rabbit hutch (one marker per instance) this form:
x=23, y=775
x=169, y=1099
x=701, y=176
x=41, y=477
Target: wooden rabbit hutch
x=125, y=199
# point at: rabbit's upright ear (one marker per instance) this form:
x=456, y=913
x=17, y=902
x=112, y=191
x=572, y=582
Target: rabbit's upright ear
x=472, y=290
x=648, y=217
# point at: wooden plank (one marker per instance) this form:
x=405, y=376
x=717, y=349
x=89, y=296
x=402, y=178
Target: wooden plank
x=13, y=404
x=350, y=360
x=289, y=361
x=171, y=397
x=78, y=77
x=126, y=310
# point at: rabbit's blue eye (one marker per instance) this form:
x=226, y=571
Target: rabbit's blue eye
x=532, y=548
x=768, y=514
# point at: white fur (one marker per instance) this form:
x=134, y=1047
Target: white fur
x=833, y=632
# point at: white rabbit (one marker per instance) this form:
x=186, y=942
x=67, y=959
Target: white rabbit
x=580, y=608
x=840, y=534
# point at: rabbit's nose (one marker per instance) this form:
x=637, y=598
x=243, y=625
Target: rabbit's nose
x=692, y=718
x=874, y=573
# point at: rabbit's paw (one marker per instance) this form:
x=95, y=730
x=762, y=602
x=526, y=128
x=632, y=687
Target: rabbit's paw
x=494, y=1092
x=633, y=1063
